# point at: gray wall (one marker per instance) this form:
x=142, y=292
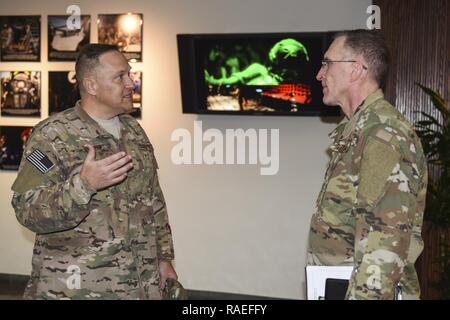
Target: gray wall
x=234, y=230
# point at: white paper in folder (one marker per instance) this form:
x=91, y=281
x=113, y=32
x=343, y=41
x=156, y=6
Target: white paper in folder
x=317, y=275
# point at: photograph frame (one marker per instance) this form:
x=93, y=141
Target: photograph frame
x=20, y=93
x=63, y=44
x=12, y=143
x=20, y=38
x=137, y=94
x=62, y=91
x=121, y=30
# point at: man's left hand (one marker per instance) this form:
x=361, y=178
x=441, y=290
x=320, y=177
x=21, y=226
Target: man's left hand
x=166, y=271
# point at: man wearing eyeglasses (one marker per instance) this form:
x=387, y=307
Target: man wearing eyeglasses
x=369, y=212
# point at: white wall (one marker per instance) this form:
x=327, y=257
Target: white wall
x=234, y=230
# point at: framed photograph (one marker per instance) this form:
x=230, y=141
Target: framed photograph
x=137, y=94
x=66, y=39
x=123, y=30
x=21, y=38
x=12, y=143
x=20, y=93
x=63, y=91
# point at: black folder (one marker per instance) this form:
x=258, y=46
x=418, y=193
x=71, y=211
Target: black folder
x=335, y=289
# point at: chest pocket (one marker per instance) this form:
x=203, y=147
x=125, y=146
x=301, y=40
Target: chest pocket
x=104, y=150
x=338, y=195
x=138, y=180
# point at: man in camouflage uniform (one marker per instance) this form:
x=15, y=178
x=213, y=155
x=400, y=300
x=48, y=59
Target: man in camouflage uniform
x=90, y=191
x=370, y=209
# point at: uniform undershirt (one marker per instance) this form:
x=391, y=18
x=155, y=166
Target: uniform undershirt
x=112, y=125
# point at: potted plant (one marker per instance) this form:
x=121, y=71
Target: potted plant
x=435, y=138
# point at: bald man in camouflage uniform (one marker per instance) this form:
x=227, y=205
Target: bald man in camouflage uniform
x=370, y=209
x=92, y=195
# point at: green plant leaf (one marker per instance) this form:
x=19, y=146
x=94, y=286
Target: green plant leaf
x=438, y=101
x=432, y=119
x=435, y=137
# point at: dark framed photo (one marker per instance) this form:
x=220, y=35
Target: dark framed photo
x=20, y=38
x=66, y=38
x=20, y=93
x=137, y=94
x=124, y=31
x=12, y=143
x=63, y=91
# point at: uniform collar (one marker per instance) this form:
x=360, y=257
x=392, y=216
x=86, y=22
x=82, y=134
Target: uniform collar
x=337, y=132
x=374, y=96
x=84, y=116
x=91, y=123
x=350, y=124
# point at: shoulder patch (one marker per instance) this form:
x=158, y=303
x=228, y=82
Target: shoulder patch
x=379, y=159
x=40, y=161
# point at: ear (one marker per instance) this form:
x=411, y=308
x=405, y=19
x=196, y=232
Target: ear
x=357, y=72
x=90, y=86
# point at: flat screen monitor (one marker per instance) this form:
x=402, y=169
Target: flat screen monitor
x=253, y=74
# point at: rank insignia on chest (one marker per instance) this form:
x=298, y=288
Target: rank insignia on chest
x=343, y=144
x=40, y=161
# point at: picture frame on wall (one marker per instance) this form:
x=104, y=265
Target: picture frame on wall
x=20, y=38
x=63, y=91
x=66, y=39
x=20, y=93
x=136, y=76
x=12, y=143
x=124, y=31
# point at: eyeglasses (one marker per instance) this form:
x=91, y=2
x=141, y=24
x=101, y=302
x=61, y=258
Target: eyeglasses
x=326, y=62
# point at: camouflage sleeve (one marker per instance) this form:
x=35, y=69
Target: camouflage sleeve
x=164, y=240
x=385, y=203
x=49, y=201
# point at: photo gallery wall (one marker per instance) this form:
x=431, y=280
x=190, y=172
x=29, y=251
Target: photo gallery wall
x=20, y=90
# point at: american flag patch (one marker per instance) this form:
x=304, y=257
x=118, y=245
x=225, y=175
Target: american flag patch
x=40, y=161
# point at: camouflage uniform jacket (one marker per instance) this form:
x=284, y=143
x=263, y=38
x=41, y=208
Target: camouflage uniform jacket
x=112, y=240
x=370, y=209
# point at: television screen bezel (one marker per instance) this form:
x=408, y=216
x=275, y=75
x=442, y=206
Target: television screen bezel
x=190, y=80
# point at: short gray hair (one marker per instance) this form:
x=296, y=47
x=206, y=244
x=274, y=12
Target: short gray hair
x=373, y=48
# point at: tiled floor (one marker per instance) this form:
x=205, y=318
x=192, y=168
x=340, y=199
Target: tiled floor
x=12, y=287
x=10, y=297
x=193, y=295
